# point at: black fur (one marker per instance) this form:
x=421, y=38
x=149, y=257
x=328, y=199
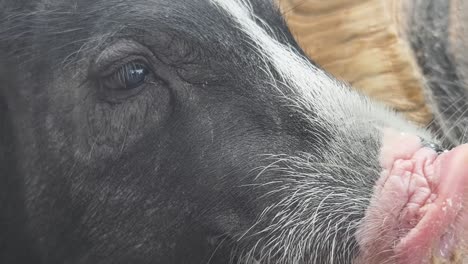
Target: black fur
x=171, y=172
x=150, y=180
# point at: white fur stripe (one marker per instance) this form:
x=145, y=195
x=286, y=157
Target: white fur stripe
x=332, y=99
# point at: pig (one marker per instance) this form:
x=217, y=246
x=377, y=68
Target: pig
x=197, y=131
x=437, y=33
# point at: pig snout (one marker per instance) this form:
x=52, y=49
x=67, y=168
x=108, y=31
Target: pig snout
x=417, y=213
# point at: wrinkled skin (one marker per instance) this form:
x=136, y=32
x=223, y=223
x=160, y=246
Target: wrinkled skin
x=221, y=154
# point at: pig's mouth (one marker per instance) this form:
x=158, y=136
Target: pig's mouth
x=418, y=212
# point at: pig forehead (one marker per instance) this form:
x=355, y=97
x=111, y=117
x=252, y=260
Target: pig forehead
x=70, y=26
x=202, y=18
x=85, y=27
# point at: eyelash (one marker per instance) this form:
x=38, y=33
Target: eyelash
x=126, y=81
x=129, y=76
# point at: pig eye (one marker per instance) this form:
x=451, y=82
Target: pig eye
x=126, y=81
x=128, y=77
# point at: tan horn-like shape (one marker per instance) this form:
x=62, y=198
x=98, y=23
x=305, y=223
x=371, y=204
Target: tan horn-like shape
x=363, y=43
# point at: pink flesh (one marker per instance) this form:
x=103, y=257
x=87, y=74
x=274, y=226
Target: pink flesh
x=417, y=211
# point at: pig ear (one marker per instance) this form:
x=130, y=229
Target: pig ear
x=438, y=32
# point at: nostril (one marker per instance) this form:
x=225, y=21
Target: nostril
x=436, y=147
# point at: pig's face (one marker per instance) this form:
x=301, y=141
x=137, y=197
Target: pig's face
x=188, y=132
